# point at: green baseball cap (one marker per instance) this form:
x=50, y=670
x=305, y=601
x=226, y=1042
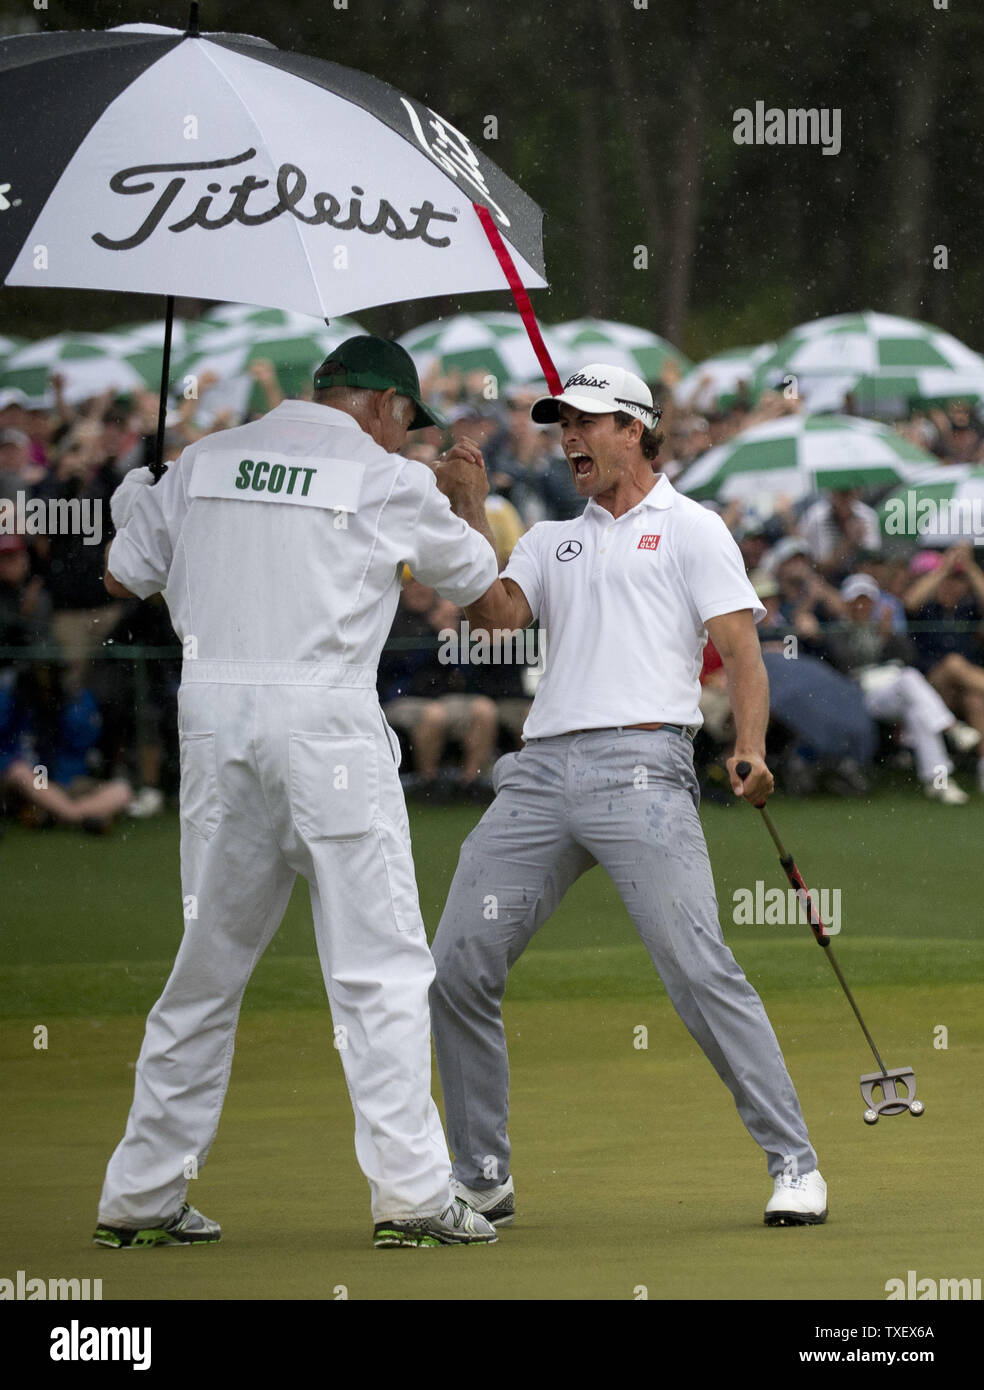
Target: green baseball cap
x=376, y=364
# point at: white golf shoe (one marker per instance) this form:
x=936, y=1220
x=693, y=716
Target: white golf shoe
x=962, y=736
x=797, y=1201
x=497, y=1204
x=950, y=795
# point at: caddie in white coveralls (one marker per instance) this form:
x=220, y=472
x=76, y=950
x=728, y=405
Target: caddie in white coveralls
x=279, y=547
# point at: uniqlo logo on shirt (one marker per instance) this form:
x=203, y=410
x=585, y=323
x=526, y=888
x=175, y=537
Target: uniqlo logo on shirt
x=648, y=542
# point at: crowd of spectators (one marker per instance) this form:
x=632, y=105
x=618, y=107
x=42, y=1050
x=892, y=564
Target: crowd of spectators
x=875, y=656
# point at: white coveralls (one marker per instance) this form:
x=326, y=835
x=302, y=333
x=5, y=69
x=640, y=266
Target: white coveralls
x=279, y=548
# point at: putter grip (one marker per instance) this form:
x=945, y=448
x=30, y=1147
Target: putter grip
x=743, y=769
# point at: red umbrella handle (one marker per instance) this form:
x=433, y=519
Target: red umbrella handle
x=521, y=297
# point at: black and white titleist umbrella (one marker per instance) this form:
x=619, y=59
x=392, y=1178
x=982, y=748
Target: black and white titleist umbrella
x=148, y=159
x=217, y=166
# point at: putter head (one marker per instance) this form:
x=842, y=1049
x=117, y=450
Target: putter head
x=891, y=1103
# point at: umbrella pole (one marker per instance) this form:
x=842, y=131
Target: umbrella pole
x=157, y=463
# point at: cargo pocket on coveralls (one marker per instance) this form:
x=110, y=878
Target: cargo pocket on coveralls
x=402, y=880
x=331, y=785
x=393, y=740
x=200, y=806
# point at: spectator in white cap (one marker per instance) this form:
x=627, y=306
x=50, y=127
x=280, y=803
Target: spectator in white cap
x=13, y=408
x=894, y=690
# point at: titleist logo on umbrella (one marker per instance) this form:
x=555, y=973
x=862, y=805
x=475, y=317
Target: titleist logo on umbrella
x=291, y=187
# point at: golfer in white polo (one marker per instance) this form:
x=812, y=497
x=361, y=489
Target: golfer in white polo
x=627, y=596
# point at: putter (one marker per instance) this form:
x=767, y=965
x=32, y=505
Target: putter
x=885, y=1081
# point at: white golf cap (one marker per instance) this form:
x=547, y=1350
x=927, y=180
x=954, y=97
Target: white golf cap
x=600, y=389
x=860, y=586
x=784, y=550
x=12, y=395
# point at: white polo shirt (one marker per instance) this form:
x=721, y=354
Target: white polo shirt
x=285, y=540
x=623, y=605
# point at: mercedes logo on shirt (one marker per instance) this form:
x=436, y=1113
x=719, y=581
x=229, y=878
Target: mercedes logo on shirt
x=568, y=550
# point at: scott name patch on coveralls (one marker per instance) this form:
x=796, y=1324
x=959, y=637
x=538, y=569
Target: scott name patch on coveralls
x=333, y=483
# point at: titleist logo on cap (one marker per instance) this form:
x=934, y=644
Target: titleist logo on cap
x=579, y=379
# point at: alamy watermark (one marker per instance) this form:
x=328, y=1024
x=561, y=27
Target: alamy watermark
x=23, y=1288
x=923, y=1289
x=782, y=907
x=21, y=515
x=796, y=126
x=79, y=1343
x=908, y=514
x=495, y=647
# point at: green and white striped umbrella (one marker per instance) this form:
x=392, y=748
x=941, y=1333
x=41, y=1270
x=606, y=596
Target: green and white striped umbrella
x=495, y=343
x=231, y=336
x=8, y=346
x=253, y=318
x=90, y=363
x=870, y=345
x=801, y=454
x=142, y=346
x=618, y=344
x=229, y=349
x=893, y=396
x=714, y=384
x=937, y=507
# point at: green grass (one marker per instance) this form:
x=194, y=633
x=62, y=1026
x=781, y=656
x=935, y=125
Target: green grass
x=632, y=1167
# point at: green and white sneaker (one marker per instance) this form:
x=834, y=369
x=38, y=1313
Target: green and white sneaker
x=497, y=1204
x=185, y=1227
x=457, y=1224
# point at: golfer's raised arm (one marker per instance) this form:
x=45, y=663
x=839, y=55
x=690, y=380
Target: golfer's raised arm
x=462, y=478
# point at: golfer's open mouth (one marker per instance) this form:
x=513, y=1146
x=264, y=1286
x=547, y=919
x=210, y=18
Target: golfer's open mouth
x=581, y=463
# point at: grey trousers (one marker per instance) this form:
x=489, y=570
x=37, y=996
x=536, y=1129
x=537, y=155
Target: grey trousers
x=627, y=800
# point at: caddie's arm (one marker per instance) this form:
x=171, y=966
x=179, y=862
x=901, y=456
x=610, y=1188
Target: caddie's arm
x=121, y=509
x=142, y=545
x=461, y=476
x=736, y=640
x=113, y=585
